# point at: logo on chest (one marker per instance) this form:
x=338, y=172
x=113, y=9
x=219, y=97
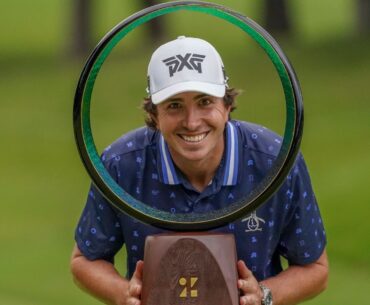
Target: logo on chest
x=254, y=223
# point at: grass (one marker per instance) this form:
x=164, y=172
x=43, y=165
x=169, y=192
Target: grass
x=43, y=183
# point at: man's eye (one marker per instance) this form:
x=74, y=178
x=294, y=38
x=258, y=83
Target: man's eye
x=205, y=101
x=174, y=106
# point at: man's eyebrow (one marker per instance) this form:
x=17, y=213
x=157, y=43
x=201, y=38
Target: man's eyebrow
x=197, y=97
x=179, y=99
x=174, y=99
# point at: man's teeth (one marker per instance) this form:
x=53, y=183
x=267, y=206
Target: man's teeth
x=196, y=138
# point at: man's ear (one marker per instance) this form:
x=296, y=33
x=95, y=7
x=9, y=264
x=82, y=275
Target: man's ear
x=228, y=109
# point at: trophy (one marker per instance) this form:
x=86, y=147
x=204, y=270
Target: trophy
x=189, y=267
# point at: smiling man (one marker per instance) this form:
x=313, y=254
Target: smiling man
x=191, y=157
x=192, y=125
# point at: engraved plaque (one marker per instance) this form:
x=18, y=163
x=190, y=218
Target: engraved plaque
x=191, y=268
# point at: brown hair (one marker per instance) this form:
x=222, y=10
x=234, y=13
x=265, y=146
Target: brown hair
x=151, y=109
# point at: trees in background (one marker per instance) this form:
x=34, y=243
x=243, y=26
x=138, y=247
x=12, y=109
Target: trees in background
x=156, y=27
x=81, y=27
x=363, y=16
x=277, y=17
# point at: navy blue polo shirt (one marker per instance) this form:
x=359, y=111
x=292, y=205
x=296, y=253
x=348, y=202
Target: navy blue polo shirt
x=288, y=224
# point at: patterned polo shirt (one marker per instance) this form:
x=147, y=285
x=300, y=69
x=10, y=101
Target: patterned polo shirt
x=288, y=224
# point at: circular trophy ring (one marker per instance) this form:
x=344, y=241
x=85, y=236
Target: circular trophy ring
x=192, y=221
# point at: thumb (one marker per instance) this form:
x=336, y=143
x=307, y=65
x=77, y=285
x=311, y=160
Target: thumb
x=138, y=274
x=243, y=270
x=135, y=285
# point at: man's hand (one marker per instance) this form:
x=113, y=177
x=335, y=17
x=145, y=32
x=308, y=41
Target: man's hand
x=101, y=279
x=251, y=293
x=134, y=286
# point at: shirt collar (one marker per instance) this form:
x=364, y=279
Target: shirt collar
x=231, y=159
x=167, y=167
x=232, y=155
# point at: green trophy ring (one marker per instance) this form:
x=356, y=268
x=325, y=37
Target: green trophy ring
x=122, y=200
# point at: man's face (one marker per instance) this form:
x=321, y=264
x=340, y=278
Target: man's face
x=192, y=124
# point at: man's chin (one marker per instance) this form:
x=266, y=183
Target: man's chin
x=192, y=155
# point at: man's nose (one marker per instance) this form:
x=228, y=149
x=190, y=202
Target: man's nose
x=192, y=118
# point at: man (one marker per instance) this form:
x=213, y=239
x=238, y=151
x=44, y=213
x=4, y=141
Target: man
x=193, y=158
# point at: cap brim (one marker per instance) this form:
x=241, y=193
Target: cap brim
x=207, y=88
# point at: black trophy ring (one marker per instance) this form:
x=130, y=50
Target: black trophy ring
x=122, y=200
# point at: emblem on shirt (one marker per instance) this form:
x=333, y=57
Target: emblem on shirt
x=253, y=222
x=178, y=62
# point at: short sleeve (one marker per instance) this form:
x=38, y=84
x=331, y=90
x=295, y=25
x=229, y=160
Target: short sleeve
x=98, y=234
x=303, y=238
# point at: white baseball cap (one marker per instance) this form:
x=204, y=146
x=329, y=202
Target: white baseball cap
x=185, y=64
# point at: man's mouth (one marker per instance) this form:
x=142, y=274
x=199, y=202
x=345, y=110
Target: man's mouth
x=195, y=138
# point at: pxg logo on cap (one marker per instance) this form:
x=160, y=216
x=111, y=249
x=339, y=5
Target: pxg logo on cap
x=185, y=64
x=190, y=61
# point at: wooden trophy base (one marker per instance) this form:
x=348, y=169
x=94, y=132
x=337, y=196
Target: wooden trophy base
x=190, y=268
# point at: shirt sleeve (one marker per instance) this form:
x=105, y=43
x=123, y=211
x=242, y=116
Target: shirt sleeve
x=303, y=238
x=98, y=234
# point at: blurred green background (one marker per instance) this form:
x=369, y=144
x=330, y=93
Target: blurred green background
x=43, y=185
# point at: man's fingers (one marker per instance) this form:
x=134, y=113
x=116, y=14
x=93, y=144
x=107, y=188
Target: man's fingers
x=134, y=289
x=248, y=286
x=244, y=272
x=133, y=301
x=250, y=300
